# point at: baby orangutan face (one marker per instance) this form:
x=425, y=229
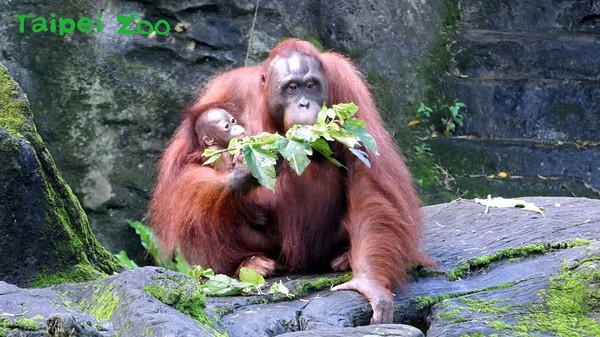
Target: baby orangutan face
x=217, y=127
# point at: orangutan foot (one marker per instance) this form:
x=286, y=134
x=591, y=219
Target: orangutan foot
x=341, y=263
x=262, y=264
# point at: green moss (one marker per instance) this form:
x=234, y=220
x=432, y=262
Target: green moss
x=305, y=288
x=185, y=296
x=430, y=73
x=67, y=211
x=428, y=178
x=256, y=300
x=524, y=251
x=78, y=273
x=425, y=272
x=222, y=311
x=439, y=60
x=29, y=324
x=315, y=40
x=485, y=306
x=104, y=302
x=13, y=111
x=73, y=254
x=571, y=297
x=453, y=316
x=426, y=302
x=124, y=329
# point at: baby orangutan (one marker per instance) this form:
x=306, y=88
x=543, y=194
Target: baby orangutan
x=214, y=128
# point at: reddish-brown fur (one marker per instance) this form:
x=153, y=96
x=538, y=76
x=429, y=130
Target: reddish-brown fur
x=372, y=212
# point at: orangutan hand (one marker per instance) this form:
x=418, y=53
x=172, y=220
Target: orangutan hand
x=381, y=298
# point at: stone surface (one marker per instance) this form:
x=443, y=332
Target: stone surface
x=457, y=233
x=527, y=72
x=44, y=234
x=395, y=330
x=106, y=104
x=534, y=168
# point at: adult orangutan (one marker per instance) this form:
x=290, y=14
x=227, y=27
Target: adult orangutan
x=328, y=218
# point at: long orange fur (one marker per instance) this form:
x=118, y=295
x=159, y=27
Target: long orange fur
x=371, y=212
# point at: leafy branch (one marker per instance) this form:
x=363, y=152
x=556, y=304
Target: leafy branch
x=261, y=152
x=250, y=281
x=447, y=122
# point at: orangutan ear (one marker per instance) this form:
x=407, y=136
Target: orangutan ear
x=208, y=141
x=263, y=79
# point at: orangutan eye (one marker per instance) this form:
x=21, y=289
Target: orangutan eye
x=232, y=121
x=310, y=85
x=227, y=127
x=292, y=87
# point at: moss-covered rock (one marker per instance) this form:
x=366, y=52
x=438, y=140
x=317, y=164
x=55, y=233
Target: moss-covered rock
x=44, y=233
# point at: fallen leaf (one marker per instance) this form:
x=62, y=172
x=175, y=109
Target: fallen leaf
x=502, y=174
x=501, y=202
x=414, y=122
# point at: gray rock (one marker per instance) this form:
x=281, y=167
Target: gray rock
x=396, y=330
x=65, y=325
x=545, y=110
x=44, y=234
x=520, y=55
x=531, y=15
x=535, y=167
x=43, y=312
x=459, y=232
x=512, y=263
x=527, y=72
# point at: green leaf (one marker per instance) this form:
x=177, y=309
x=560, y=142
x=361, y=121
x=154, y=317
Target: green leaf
x=147, y=238
x=320, y=145
x=232, y=143
x=322, y=115
x=362, y=155
x=214, y=159
x=455, y=108
x=266, y=139
x=345, y=110
x=241, y=285
x=125, y=260
x=261, y=163
x=251, y=276
x=357, y=127
x=301, y=132
x=199, y=273
x=355, y=122
x=331, y=113
x=217, y=283
x=344, y=137
x=336, y=162
x=295, y=152
x=279, y=287
x=223, y=285
x=424, y=110
x=181, y=265
x=460, y=119
x=210, y=152
x=322, y=131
